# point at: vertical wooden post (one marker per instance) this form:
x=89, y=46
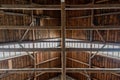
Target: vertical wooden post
x=63, y=32
x=91, y=38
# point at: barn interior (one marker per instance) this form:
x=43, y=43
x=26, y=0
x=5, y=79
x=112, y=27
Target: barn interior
x=59, y=39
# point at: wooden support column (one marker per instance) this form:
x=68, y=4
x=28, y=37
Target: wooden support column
x=34, y=53
x=91, y=39
x=63, y=53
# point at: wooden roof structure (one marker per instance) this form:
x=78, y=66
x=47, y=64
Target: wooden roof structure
x=40, y=39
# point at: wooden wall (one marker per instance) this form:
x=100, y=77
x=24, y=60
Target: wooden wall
x=75, y=58
x=20, y=62
x=43, y=60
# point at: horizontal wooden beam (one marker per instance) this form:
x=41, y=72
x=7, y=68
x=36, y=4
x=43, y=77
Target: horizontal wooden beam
x=91, y=7
x=93, y=70
x=48, y=17
x=69, y=70
x=94, y=49
x=26, y=14
x=30, y=27
x=109, y=27
x=29, y=70
x=58, y=7
x=58, y=49
x=80, y=62
x=30, y=7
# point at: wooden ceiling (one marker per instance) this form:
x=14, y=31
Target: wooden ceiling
x=80, y=18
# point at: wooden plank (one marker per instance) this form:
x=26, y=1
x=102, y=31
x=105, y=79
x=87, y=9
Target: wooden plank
x=69, y=70
x=95, y=6
x=110, y=27
x=30, y=7
x=30, y=70
x=10, y=64
x=49, y=60
x=94, y=70
x=57, y=7
x=93, y=28
x=63, y=32
x=30, y=27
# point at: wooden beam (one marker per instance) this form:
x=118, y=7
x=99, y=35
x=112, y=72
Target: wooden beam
x=30, y=27
x=57, y=49
x=29, y=7
x=57, y=7
x=26, y=14
x=74, y=60
x=46, y=61
x=101, y=1
x=93, y=70
x=69, y=70
x=95, y=6
x=99, y=34
x=80, y=62
x=63, y=33
x=94, y=49
x=110, y=27
x=29, y=70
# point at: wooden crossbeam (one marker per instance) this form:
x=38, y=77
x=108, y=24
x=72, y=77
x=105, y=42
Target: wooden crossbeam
x=57, y=7
x=57, y=49
x=69, y=70
x=30, y=28
x=30, y=7
x=94, y=70
x=29, y=70
x=109, y=27
x=95, y=6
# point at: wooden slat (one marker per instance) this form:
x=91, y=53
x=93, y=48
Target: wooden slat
x=30, y=7
x=69, y=70
x=57, y=7
x=95, y=6
x=94, y=70
x=30, y=27
x=10, y=64
x=93, y=28
x=111, y=27
x=27, y=70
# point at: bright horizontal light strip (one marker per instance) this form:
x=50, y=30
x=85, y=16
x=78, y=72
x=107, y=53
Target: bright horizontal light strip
x=55, y=43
